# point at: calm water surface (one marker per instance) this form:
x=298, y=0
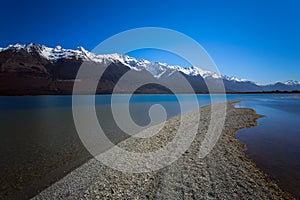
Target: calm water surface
x=274, y=145
x=39, y=143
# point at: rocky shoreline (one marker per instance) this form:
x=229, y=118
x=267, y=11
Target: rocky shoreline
x=225, y=173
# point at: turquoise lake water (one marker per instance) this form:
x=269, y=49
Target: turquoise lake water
x=39, y=143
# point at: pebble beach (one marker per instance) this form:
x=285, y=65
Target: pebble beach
x=225, y=173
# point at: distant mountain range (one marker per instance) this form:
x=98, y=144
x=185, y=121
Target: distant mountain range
x=34, y=69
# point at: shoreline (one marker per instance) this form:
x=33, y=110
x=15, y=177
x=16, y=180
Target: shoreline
x=227, y=172
x=197, y=93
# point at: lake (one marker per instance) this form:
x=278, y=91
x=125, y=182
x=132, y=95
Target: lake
x=274, y=145
x=39, y=143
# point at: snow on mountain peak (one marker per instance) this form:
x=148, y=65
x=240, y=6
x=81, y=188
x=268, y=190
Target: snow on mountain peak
x=15, y=46
x=291, y=82
x=58, y=48
x=80, y=48
x=232, y=78
x=157, y=69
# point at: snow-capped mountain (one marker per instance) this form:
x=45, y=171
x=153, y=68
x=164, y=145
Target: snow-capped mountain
x=57, y=65
x=157, y=69
x=291, y=82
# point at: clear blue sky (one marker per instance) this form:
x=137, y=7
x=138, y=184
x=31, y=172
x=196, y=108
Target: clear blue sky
x=257, y=40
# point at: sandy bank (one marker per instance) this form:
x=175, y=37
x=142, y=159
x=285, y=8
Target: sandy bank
x=226, y=173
